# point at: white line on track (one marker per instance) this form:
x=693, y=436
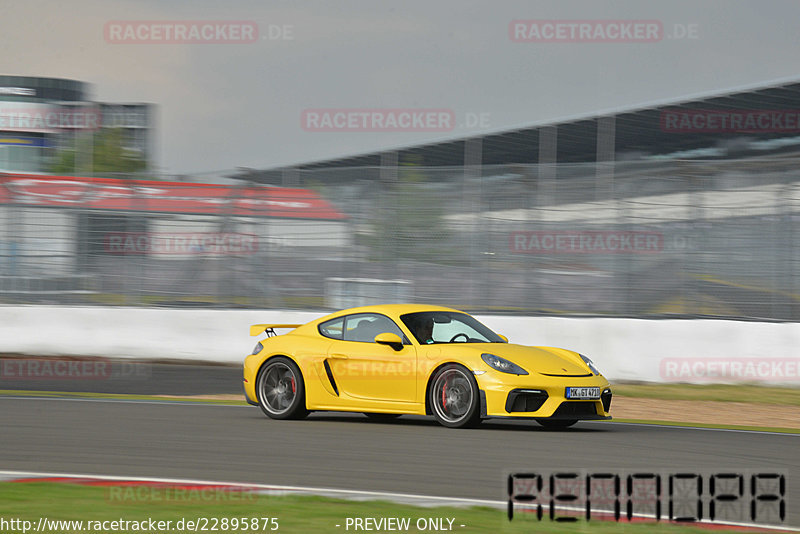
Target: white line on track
x=356, y=495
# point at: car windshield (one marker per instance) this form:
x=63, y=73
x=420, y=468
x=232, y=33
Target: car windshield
x=448, y=327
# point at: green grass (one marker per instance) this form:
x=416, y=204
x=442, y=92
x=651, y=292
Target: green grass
x=782, y=396
x=295, y=514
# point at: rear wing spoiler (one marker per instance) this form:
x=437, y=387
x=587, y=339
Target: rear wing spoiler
x=269, y=328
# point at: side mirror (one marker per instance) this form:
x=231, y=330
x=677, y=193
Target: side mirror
x=387, y=338
x=504, y=338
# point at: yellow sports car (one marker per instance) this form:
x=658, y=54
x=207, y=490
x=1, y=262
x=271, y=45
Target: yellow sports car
x=399, y=359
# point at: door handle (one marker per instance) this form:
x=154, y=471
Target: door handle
x=338, y=357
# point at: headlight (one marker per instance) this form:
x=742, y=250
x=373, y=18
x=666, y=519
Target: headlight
x=591, y=364
x=503, y=365
x=258, y=348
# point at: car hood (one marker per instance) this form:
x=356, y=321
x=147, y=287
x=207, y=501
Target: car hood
x=543, y=360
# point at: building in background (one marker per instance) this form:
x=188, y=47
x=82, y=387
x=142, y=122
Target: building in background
x=69, y=239
x=41, y=116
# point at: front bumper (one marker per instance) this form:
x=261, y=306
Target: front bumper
x=542, y=397
x=247, y=395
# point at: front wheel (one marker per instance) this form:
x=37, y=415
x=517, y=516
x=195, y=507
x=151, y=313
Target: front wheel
x=556, y=424
x=454, y=397
x=280, y=389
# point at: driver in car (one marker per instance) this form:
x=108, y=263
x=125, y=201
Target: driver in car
x=423, y=330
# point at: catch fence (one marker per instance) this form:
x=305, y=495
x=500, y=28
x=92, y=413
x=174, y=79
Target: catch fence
x=637, y=239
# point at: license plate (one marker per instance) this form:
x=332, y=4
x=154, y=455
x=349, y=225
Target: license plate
x=583, y=393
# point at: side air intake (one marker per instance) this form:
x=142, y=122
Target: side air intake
x=330, y=376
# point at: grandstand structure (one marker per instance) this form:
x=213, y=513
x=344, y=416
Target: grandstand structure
x=713, y=176
x=746, y=122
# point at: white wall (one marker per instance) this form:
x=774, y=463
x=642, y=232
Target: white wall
x=624, y=349
x=146, y=333
x=36, y=241
x=675, y=350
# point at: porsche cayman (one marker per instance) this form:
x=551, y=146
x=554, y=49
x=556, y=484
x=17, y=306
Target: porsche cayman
x=395, y=359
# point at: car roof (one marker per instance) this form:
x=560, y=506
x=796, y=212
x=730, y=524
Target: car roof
x=394, y=310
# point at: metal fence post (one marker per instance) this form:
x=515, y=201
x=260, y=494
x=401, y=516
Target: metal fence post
x=385, y=202
x=473, y=157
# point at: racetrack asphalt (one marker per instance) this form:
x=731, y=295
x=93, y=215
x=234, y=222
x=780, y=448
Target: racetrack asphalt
x=120, y=376
x=346, y=451
x=408, y=455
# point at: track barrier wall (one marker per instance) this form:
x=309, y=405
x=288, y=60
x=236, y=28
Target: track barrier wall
x=666, y=350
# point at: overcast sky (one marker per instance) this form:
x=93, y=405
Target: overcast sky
x=222, y=106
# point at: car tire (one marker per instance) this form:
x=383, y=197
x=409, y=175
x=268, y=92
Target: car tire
x=556, y=424
x=280, y=389
x=382, y=416
x=454, y=398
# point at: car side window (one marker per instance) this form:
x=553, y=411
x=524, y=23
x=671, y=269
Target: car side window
x=442, y=333
x=333, y=328
x=364, y=327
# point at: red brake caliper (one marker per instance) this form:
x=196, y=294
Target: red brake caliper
x=294, y=390
x=444, y=394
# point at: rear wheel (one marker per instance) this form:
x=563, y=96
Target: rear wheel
x=556, y=424
x=280, y=389
x=454, y=397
